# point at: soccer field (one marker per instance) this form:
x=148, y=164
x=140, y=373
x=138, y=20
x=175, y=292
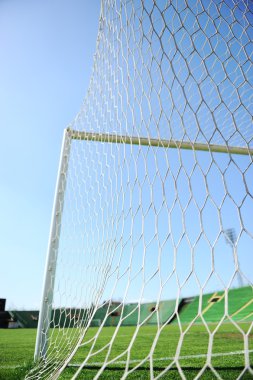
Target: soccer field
x=17, y=348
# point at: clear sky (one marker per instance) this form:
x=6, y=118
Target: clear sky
x=47, y=51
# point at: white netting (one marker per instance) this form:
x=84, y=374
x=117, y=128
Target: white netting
x=154, y=231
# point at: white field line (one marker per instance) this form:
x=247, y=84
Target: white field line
x=138, y=360
x=167, y=358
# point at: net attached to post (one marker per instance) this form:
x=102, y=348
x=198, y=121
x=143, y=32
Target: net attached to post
x=154, y=224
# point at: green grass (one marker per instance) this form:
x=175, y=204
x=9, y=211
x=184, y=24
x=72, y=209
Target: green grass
x=16, y=352
x=17, y=346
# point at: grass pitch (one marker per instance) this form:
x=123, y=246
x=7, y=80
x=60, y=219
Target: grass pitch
x=17, y=347
x=16, y=352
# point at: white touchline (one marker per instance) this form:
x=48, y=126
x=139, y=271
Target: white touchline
x=139, y=360
x=166, y=358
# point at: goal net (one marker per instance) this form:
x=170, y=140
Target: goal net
x=149, y=267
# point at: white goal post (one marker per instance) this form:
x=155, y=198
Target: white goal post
x=154, y=201
x=46, y=309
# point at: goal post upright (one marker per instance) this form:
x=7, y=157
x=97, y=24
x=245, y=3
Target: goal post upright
x=52, y=251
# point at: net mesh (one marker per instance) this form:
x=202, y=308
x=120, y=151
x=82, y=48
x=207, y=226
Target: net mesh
x=154, y=240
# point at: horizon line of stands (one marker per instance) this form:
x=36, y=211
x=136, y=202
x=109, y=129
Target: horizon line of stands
x=210, y=307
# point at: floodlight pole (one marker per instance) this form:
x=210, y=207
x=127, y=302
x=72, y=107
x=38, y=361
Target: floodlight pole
x=52, y=252
x=230, y=238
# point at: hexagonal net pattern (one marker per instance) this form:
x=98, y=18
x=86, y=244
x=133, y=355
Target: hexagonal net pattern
x=149, y=270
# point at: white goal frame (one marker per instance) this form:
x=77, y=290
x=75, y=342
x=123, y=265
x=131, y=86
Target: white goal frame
x=51, y=261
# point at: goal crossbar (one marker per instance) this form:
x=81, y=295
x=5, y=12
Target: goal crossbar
x=147, y=141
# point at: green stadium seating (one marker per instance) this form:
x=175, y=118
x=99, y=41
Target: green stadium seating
x=27, y=318
x=240, y=308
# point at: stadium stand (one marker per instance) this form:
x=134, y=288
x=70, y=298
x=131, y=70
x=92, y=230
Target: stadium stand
x=149, y=313
x=240, y=306
x=67, y=317
x=212, y=307
x=5, y=317
x=2, y=304
x=27, y=319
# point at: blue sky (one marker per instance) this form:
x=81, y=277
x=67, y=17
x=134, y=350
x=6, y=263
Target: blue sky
x=46, y=64
x=47, y=52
